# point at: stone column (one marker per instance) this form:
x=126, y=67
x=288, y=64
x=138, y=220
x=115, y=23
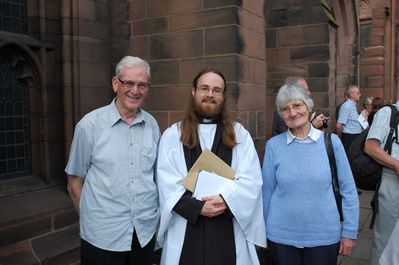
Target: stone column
x=86, y=59
x=301, y=41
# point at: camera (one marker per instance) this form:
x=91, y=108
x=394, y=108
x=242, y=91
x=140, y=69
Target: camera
x=325, y=121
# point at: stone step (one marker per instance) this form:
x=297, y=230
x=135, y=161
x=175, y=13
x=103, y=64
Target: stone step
x=34, y=213
x=38, y=226
x=59, y=248
x=56, y=248
x=20, y=185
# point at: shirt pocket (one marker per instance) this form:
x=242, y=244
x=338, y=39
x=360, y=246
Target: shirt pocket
x=147, y=157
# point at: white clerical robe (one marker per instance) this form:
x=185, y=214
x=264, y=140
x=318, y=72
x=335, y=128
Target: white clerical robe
x=243, y=196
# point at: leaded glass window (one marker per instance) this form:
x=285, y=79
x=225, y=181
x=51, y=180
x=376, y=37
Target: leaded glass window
x=15, y=149
x=13, y=16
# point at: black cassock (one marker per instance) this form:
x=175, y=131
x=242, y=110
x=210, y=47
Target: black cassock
x=208, y=241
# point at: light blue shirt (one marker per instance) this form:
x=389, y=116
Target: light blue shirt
x=379, y=130
x=298, y=200
x=116, y=161
x=348, y=116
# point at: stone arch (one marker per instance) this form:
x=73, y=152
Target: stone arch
x=23, y=131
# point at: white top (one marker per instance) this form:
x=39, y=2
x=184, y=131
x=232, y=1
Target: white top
x=243, y=196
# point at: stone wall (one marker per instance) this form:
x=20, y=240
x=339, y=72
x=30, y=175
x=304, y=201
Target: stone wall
x=301, y=45
x=179, y=38
x=347, y=49
x=376, y=47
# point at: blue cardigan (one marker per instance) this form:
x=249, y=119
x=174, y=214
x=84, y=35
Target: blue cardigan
x=299, y=204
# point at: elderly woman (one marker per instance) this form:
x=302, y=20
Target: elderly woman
x=302, y=221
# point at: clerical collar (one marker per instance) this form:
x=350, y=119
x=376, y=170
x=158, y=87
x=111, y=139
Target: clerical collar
x=207, y=120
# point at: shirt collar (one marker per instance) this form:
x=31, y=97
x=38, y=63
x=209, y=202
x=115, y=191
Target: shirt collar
x=115, y=116
x=313, y=136
x=352, y=101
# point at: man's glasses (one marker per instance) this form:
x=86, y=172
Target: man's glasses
x=129, y=84
x=217, y=91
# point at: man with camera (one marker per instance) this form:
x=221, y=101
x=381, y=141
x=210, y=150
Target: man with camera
x=317, y=119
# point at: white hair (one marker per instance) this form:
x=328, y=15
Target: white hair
x=292, y=92
x=131, y=61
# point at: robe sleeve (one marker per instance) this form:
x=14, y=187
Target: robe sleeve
x=170, y=171
x=244, y=196
x=188, y=207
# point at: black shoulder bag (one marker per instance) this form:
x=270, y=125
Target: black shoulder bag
x=334, y=175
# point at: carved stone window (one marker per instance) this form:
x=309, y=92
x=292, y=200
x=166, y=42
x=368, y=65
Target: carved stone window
x=365, y=11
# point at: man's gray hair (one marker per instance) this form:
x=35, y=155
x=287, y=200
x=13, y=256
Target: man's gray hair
x=293, y=80
x=131, y=61
x=292, y=92
x=349, y=89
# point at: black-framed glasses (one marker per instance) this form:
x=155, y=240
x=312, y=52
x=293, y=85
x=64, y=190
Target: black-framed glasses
x=130, y=84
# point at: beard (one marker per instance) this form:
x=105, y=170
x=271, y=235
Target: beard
x=210, y=110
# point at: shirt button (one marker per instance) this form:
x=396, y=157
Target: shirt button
x=131, y=144
x=131, y=163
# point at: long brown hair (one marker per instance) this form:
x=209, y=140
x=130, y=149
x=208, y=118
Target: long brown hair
x=189, y=124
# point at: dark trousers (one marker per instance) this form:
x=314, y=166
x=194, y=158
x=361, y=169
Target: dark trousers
x=91, y=255
x=289, y=255
x=347, y=140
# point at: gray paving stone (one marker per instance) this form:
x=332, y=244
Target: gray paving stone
x=353, y=261
x=60, y=248
x=361, y=254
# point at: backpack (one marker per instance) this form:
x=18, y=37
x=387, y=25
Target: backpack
x=366, y=171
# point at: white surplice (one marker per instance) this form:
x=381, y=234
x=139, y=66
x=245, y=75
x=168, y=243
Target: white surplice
x=243, y=196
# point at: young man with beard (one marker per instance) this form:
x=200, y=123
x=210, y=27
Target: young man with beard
x=220, y=229
x=111, y=173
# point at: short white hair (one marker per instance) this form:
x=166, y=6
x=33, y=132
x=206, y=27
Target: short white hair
x=292, y=92
x=131, y=61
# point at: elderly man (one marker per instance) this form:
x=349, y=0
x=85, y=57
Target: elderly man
x=348, y=125
x=222, y=228
x=388, y=193
x=111, y=173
